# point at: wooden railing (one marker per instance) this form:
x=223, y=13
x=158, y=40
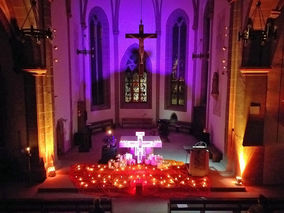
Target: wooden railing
x=59, y=205
x=235, y=205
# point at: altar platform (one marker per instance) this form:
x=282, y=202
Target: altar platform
x=218, y=180
x=215, y=183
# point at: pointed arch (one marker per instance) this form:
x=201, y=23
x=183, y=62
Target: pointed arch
x=207, y=25
x=176, y=60
x=135, y=89
x=99, y=59
x=4, y=22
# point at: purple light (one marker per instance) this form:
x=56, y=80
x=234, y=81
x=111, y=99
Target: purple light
x=142, y=144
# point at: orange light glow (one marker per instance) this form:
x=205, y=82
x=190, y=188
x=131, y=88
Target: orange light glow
x=255, y=71
x=36, y=72
x=245, y=154
x=242, y=161
x=5, y=9
x=45, y=115
x=51, y=171
x=239, y=181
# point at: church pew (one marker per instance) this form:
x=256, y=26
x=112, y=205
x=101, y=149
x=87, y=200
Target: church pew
x=202, y=205
x=54, y=205
x=183, y=126
x=100, y=125
x=235, y=205
x=180, y=126
x=137, y=123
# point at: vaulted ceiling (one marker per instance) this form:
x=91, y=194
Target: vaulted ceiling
x=18, y=9
x=269, y=8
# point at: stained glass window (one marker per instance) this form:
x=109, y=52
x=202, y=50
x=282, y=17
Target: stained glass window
x=135, y=85
x=177, y=88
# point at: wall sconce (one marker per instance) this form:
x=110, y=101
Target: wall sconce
x=267, y=30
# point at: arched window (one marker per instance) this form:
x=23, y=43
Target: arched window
x=135, y=87
x=135, y=84
x=99, y=59
x=176, y=54
x=207, y=22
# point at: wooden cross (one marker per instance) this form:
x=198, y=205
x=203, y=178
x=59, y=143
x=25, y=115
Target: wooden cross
x=141, y=36
x=140, y=143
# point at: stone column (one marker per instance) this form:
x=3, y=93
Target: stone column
x=236, y=91
x=45, y=120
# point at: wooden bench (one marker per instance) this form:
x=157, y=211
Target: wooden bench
x=210, y=204
x=54, y=205
x=137, y=123
x=180, y=126
x=214, y=153
x=183, y=126
x=100, y=125
x=236, y=205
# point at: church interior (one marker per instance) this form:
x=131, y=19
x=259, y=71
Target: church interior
x=141, y=106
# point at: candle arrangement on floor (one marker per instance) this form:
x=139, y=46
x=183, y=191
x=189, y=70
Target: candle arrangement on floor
x=125, y=178
x=139, y=172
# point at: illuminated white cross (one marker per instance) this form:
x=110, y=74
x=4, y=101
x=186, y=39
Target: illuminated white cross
x=140, y=143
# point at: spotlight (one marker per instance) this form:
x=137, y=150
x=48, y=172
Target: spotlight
x=239, y=181
x=51, y=171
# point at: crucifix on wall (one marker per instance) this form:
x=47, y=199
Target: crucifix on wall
x=141, y=36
